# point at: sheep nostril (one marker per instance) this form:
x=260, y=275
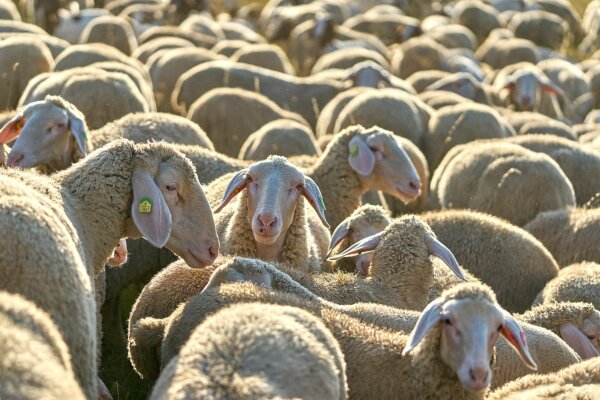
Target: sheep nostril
x=213, y=252
x=14, y=159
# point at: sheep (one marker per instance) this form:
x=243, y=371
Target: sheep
x=198, y=39
x=566, y=75
x=487, y=176
x=578, y=324
x=54, y=44
x=479, y=17
x=418, y=54
x=52, y=264
x=543, y=28
x=115, y=93
x=9, y=11
x=579, y=381
x=70, y=25
x=234, y=30
x=18, y=26
x=421, y=80
x=594, y=75
x=454, y=36
x=280, y=137
x=477, y=239
x=203, y=24
x=330, y=113
x=346, y=58
x=389, y=28
x=269, y=220
x=409, y=119
x=20, y=60
x=227, y=48
x=547, y=127
x=214, y=113
x=500, y=52
x=365, y=221
x=577, y=162
x=252, y=350
x=575, y=283
x=460, y=124
x=306, y=96
x=358, y=160
x=111, y=30
x=71, y=139
x=364, y=344
x=263, y=55
x=171, y=65
x=311, y=39
x=464, y=84
x=568, y=234
x=35, y=360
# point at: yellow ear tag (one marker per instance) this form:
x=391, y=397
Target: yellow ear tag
x=145, y=206
x=353, y=150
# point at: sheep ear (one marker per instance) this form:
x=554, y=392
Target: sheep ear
x=550, y=88
x=78, y=129
x=362, y=246
x=439, y=250
x=360, y=156
x=149, y=209
x=510, y=83
x=516, y=337
x=578, y=341
x=12, y=128
x=431, y=315
x=339, y=234
x=235, y=186
x=311, y=192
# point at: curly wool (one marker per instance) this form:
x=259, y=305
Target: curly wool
x=553, y=316
x=576, y=283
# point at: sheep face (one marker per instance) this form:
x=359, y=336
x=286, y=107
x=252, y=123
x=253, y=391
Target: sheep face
x=50, y=135
x=524, y=86
x=169, y=206
x=273, y=190
x=591, y=329
x=382, y=164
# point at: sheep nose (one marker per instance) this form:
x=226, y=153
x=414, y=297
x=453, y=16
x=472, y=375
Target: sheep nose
x=479, y=375
x=415, y=185
x=14, y=158
x=213, y=251
x=268, y=220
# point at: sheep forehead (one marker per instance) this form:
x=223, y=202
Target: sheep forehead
x=471, y=311
x=474, y=291
x=276, y=165
x=369, y=214
x=152, y=155
x=407, y=229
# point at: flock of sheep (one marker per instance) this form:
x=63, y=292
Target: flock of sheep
x=325, y=199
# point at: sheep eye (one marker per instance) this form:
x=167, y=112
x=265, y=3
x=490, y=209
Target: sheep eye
x=447, y=321
x=591, y=337
x=60, y=125
x=49, y=129
x=499, y=328
x=171, y=187
x=300, y=186
x=249, y=178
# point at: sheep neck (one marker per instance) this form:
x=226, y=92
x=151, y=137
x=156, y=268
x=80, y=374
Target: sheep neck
x=97, y=194
x=340, y=185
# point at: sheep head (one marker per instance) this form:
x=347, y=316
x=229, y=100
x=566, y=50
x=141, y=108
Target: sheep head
x=382, y=164
x=50, y=134
x=469, y=321
x=169, y=207
x=274, y=187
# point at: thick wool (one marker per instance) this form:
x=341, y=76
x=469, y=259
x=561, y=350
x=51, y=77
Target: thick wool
x=257, y=351
x=582, y=378
x=513, y=262
x=51, y=263
x=35, y=361
x=553, y=316
x=570, y=234
x=577, y=282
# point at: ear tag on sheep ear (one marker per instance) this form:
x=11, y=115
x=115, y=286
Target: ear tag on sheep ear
x=322, y=202
x=145, y=206
x=353, y=150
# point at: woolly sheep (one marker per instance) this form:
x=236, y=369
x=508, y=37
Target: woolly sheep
x=594, y=76
x=306, y=96
x=421, y=80
x=18, y=26
x=577, y=162
x=255, y=348
x=267, y=56
x=389, y=28
x=487, y=176
x=280, y=137
x=203, y=24
x=579, y=381
x=547, y=127
x=111, y=30
x=234, y=30
x=269, y=220
x=71, y=139
x=358, y=160
x=464, y=84
x=460, y=124
x=454, y=36
x=115, y=93
x=20, y=60
x=52, y=264
x=35, y=360
x=54, y=44
x=346, y=58
x=171, y=65
x=578, y=324
x=198, y=39
x=429, y=362
x=330, y=113
x=228, y=47
x=70, y=26
x=438, y=99
x=409, y=119
x=8, y=10
x=568, y=234
x=479, y=17
x=541, y=27
x=576, y=282
x=476, y=239
x=418, y=54
x=501, y=53
x=229, y=116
